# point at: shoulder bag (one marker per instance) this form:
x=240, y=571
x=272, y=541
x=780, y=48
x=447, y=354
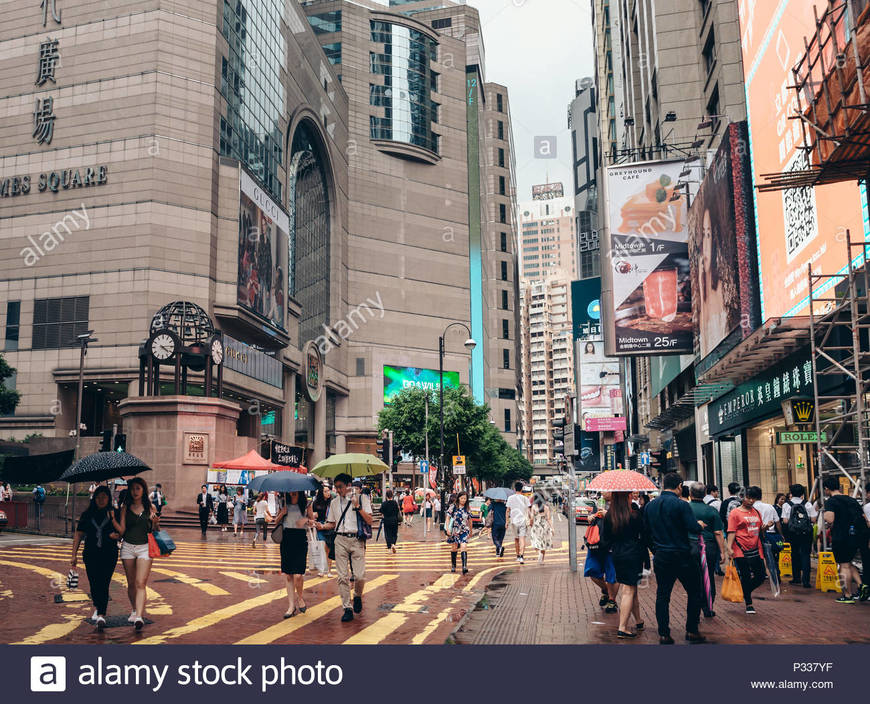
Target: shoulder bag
x=329, y=535
x=363, y=529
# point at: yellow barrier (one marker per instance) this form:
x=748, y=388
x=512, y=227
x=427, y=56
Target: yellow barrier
x=827, y=576
x=785, y=561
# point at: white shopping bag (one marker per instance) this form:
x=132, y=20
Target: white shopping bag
x=316, y=552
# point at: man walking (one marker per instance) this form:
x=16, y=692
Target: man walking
x=499, y=526
x=345, y=513
x=848, y=529
x=714, y=542
x=156, y=498
x=732, y=502
x=669, y=521
x=772, y=539
x=518, y=519
x=798, y=517
x=712, y=497
x=205, y=503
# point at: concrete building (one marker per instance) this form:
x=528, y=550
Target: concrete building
x=586, y=165
x=549, y=246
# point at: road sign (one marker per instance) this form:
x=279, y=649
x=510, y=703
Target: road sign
x=424, y=467
x=459, y=464
x=644, y=459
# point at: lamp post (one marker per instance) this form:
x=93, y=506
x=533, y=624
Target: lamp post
x=470, y=344
x=84, y=339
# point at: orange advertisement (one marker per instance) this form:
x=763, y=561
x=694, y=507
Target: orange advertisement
x=796, y=226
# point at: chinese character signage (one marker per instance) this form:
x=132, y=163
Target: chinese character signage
x=49, y=56
x=287, y=455
x=195, y=448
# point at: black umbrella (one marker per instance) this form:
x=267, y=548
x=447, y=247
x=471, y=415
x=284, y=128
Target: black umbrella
x=284, y=482
x=103, y=465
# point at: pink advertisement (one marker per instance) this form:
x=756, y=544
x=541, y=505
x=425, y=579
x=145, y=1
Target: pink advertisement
x=604, y=425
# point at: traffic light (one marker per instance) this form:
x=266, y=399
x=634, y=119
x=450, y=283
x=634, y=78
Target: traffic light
x=106, y=443
x=121, y=442
x=384, y=447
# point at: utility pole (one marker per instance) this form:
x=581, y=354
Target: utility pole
x=426, y=440
x=390, y=440
x=83, y=339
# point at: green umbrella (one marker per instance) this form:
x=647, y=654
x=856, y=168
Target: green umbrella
x=355, y=464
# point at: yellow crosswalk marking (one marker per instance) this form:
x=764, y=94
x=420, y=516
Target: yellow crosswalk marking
x=421, y=637
x=279, y=630
x=210, y=589
x=155, y=605
x=247, y=578
x=53, y=631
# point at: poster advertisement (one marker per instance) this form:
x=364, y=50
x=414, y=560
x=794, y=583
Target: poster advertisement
x=799, y=225
x=263, y=252
x=599, y=381
x=649, y=301
x=722, y=247
x=398, y=378
x=586, y=307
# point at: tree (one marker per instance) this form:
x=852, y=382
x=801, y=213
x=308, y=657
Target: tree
x=9, y=398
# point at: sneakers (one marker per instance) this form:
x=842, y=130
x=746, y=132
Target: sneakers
x=695, y=638
x=624, y=634
x=750, y=609
x=347, y=616
x=138, y=624
x=101, y=623
x=357, y=604
x=94, y=615
x=603, y=600
x=132, y=617
x=611, y=607
x=666, y=640
x=844, y=599
x=864, y=592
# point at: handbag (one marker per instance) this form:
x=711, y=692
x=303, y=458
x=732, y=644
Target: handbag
x=164, y=542
x=153, y=548
x=732, y=590
x=278, y=533
x=329, y=535
x=72, y=579
x=363, y=529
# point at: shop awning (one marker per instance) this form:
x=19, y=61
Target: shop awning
x=684, y=407
x=773, y=341
x=252, y=461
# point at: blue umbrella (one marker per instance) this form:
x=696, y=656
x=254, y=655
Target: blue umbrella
x=498, y=493
x=284, y=482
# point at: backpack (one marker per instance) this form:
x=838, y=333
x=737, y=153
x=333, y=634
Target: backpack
x=592, y=537
x=726, y=508
x=799, y=523
x=40, y=495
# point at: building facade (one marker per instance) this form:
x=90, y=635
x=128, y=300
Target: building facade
x=586, y=165
x=547, y=238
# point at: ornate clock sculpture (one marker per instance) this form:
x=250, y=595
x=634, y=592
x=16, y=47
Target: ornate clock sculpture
x=182, y=336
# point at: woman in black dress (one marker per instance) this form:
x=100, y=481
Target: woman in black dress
x=297, y=517
x=101, y=550
x=390, y=520
x=623, y=532
x=223, y=514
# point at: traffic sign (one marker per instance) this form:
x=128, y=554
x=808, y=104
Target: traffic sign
x=424, y=466
x=459, y=464
x=644, y=459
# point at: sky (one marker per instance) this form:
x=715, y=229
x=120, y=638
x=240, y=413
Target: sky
x=538, y=48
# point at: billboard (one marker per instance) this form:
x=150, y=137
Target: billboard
x=398, y=378
x=586, y=307
x=722, y=247
x=599, y=382
x=799, y=225
x=648, y=298
x=263, y=251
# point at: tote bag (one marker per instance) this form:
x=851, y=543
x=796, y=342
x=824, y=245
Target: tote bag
x=731, y=589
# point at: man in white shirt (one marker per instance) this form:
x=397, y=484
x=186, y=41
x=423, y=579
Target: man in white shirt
x=712, y=498
x=799, y=533
x=517, y=518
x=771, y=536
x=350, y=551
x=865, y=551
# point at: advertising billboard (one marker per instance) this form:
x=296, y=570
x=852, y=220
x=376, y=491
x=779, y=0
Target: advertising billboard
x=586, y=307
x=796, y=226
x=722, y=247
x=599, y=381
x=263, y=251
x=398, y=378
x=648, y=299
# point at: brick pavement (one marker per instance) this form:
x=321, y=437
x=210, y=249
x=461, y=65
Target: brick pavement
x=553, y=606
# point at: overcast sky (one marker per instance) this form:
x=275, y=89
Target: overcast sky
x=538, y=48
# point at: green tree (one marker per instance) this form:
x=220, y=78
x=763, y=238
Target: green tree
x=9, y=398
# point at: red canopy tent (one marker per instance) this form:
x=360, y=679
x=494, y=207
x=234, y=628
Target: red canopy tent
x=252, y=461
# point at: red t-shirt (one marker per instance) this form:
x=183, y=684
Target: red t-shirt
x=408, y=504
x=747, y=526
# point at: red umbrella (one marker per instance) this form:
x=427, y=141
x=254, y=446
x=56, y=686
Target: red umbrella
x=621, y=480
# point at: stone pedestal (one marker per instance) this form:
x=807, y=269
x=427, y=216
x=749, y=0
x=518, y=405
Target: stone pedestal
x=156, y=427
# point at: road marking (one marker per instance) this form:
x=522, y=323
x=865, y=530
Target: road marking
x=222, y=615
x=430, y=627
x=210, y=589
x=155, y=604
x=53, y=631
x=287, y=626
x=45, y=572
x=480, y=575
x=247, y=578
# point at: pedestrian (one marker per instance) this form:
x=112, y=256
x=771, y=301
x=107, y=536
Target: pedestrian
x=848, y=532
x=485, y=520
x=38, y=499
x=408, y=508
x=518, y=519
x=715, y=549
x=157, y=499
x=712, y=499
x=459, y=530
x=745, y=526
x=223, y=513
x=261, y=516
x=296, y=517
x=865, y=548
x=772, y=539
x=540, y=526
x=136, y=520
x=598, y=565
x=623, y=533
x=642, y=501
x=730, y=503
x=436, y=506
x=779, y=502
x=498, y=525
x=668, y=523
x=240, y=513
x=205, y=505
x=346, y=512
x=390, y=520
x=427, y=508
x=7, y=492
x=101, y=550
x=798, y=520
x=320, y=507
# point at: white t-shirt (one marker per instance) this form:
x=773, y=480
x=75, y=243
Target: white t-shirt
x=768, y=514
x=437, y=504
x=794, y=501
x=867, y=511
x=519, y=507
x=260, y=509
x=294, y=513
x=712, y=502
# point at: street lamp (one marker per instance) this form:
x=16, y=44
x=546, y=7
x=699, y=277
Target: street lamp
x=84, y=339
x=470, y=344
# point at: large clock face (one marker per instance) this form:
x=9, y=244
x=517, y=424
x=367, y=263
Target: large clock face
x=163, y=346
x=217, y=351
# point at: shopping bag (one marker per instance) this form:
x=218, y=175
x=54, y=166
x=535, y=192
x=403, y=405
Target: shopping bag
x=72, y=580
x=212, y=520
x=164, y=543
x=316, y=552
x=731, y=588
x=153, y=548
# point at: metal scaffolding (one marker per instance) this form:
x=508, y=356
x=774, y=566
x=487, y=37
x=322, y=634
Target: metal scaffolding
x=840, y=345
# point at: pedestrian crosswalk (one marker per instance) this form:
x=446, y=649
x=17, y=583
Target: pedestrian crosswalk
x=225, y=591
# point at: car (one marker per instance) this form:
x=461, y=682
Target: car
x=4, y=520
x=583, y=509
x=474, y=508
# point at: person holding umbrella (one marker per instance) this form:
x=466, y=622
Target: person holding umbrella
x=498, y=508
x=623, y=532
x=297, y=517
x=715, y=548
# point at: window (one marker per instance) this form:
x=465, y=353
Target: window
x=505, y=329
x=13, y=322
x=710, y=53
x=499, y=102
x=504, y=299
x=502, y=213
x=360, y=366
x=326, y=22
x=501, y=186
x=713, y=108
x=507, y=394
x=506, y=354
x=504, y=271
x=507, y=420
x=57, y=322
x=501, y=157
x=500, y=129
x=442, y=23
x=504, y=242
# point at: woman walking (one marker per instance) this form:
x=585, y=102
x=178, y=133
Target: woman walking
x=745, y=527
x=101, y=549
x=240, y=514
x=320, y=506
x=137, y=519
x=297, y=518
x=541, y=527
x=459, y=519
x=223, y=514
x=408, y=508
x=623, y=529
x=390, y=520
x=426, y=510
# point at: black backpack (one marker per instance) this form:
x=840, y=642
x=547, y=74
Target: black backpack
x=799, y=523
x=726, y=507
